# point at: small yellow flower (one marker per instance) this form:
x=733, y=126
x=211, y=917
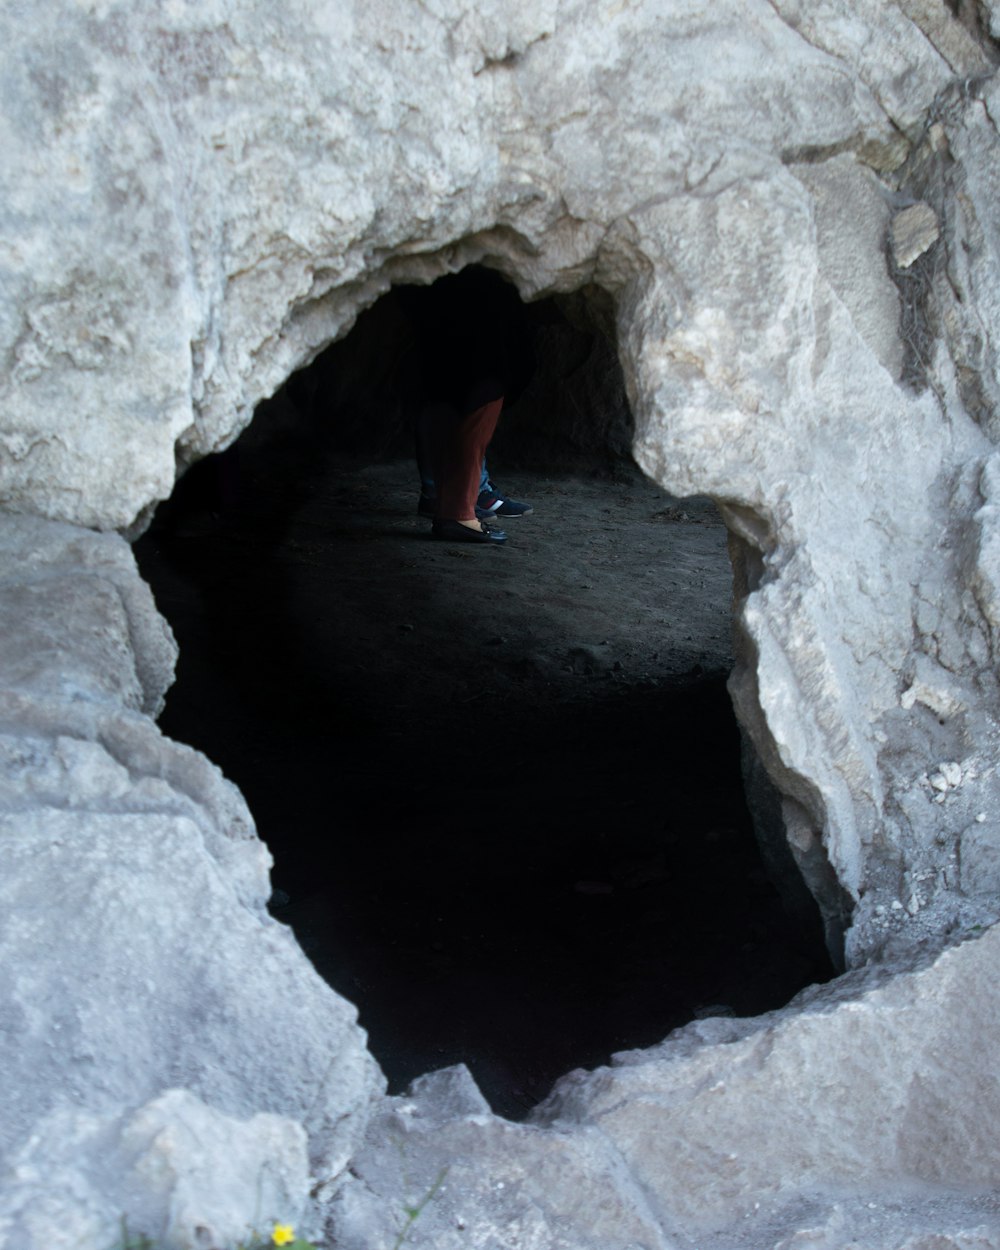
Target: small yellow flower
x=283, y=1234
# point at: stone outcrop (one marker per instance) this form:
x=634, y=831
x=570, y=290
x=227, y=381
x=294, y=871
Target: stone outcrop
x=811, y=1126
x=174, y=1170
x=793, y=207
x=141, y=977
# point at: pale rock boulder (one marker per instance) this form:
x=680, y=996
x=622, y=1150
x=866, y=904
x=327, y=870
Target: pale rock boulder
x=947, y=684
x=129, y=965
x=175, y=1171
x=814, y=1127
x=979, y=858
x=914, y=230
x=780, y=409
x=743, y=1115
x=899, y=54
x=81, y=627
x=439, y=1170
x=136, y=954
x=852, y=211
x=971, y=261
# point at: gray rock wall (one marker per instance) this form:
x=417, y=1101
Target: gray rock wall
x=198, y=197
x=810, y=1127
x=148, y=1003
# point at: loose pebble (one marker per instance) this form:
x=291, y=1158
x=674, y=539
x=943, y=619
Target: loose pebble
x=952, y=773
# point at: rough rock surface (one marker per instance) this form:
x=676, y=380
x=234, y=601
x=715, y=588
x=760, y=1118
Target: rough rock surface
x=136, y=954
x=174, y=1170
x=230, y=204
x=809, y=1127
x=198, y=197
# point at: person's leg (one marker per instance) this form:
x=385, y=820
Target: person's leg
x=460, y=447
x=424, y=443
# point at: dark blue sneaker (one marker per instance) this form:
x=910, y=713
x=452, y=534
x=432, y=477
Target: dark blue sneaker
x=491, y=503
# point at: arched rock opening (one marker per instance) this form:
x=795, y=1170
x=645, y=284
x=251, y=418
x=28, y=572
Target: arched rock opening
x=503, y=789
x=204, y=195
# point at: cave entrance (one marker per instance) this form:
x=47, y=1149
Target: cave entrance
x=502, y=787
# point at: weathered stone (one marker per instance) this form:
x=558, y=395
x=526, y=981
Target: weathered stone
x=967, y=294
x=255, y=201
x=728, y=1108
x=475, y=1180
x=175, y=1171
x=136, y=954
x=195, y=200
x=79, y=625
x=851, y=214
x=93, y=920
x=913, y=231
x=951, y=38
x=979, y=859
x=718, y=1137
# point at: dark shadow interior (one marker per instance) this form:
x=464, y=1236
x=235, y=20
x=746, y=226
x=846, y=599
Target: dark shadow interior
x=510, y=827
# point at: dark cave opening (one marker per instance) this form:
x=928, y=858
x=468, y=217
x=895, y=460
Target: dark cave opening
x=502, y=789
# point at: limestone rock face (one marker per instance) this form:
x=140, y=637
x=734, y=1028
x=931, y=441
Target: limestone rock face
x=198, y=197
x=136, y=954
x=793, y=206
x=811, y=1126
x=745, y=1101
x=184, y=1173
x=476, y=1180
x=234, y=190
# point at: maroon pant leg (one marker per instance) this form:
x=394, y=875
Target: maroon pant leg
x=460, y=447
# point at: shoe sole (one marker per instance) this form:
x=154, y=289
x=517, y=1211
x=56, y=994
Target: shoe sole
x=481, y=515
x=469, y=537
x=470, y=542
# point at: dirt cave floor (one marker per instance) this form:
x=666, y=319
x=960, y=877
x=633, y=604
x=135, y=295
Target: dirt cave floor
x=501, y=785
